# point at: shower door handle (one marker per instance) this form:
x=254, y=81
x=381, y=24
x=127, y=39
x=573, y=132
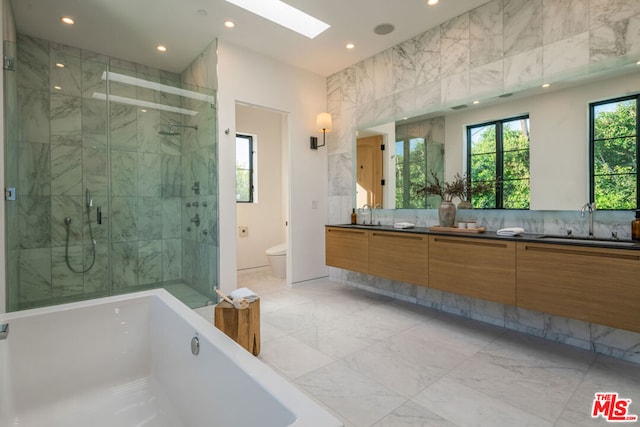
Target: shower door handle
x=99, y=215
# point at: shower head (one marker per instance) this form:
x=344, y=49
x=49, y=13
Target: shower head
x=173, y=132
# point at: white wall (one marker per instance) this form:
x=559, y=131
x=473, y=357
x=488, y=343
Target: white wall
x=251, y=78
x=559, y=138
x=265, y=218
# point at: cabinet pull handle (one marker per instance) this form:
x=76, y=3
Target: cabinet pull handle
x=333, y=230
x=398, y=236
x=466, y=242
x=582, y=253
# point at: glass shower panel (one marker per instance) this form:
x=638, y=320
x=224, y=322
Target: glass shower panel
x=115, y=169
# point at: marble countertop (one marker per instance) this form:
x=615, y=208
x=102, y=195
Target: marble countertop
x=526, y=237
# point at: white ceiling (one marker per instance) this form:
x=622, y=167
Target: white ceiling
x=130, y=29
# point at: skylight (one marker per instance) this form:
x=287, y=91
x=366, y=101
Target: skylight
x=285, y=15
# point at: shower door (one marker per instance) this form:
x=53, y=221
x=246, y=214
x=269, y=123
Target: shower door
x=114, y=165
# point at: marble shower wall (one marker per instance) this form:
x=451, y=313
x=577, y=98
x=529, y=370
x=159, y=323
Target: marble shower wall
x=500, y=47
x=62, y=149
x=199, y=164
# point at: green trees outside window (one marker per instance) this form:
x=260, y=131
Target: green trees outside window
x=614, y=153
x=498, y=154
x=244, y=168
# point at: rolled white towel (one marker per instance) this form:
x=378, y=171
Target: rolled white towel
x=403, y=225
x=511, y=231
x=244, y=293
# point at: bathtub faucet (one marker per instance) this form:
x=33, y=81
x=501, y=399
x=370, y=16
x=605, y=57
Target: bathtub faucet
x=4, y=331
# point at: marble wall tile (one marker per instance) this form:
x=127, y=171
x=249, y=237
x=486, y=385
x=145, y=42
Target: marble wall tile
x=149, y=262
x=202, y=169
x=383, y=74
x=65, y=282
x=149, y=125
x=63, y=49
x=376, y=111
x=124, y=173
x=456, y=304
x=35, y=169
x=564, y=57
x=485, y=34
x=68, y=79
x=94, y=170
x=454, y=45
x=124, y=265
x=149, y=174
x=523, y=320
x=66, y=119
x=123, y=219
x=348, y=88
x=522, y=26
x=94, y=122
x=88, y=55
x=67, y=207
x=33, y=115
x=523, y=70
x=149, y=218
x=96, y=280
x=34, y=221
x=606, y=12
x=171, y=259
x=428, y=95
x=487, y=312
x=122, y=89
x=33, y=63
x=188, y=260
x=564, y=18
x=171, y=218
x=100, y=231
x=171, y=175
x=569, y=331
x=406, y=100
x=66, y=170
x=124, y=127
x=455, y=88
x=91, y=79
x=35, y=275
x=365, y=81
x=340, y=174
x=428, y=47
x=487, y=79
x=615, y=40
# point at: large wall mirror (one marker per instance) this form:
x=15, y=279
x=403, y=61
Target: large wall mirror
x=436, y=143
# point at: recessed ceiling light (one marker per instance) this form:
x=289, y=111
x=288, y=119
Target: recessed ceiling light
x=67, y=20
x=229, y=24
x=143, y=110
x=383, y=29
x=59, y=65
x=432, y=2
x=161, y=48
x=638, y=63
x=56, y=87
x=285, y=15
x=476, y=102
x=350, y=46
x=546, y=85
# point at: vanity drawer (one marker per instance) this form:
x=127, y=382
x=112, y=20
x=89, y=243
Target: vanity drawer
x=347, y=248
x=399, y=256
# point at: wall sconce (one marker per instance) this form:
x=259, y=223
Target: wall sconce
x=323, y=123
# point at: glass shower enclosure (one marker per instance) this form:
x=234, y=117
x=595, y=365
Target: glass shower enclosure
x=115, y=175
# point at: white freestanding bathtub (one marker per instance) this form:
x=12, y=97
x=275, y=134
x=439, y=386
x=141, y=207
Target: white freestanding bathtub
x=127, y=361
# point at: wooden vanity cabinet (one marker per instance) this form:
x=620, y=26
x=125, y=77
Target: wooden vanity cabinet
x=598, y=285
x=399, y=256
x=479, y=268
x=347, y=248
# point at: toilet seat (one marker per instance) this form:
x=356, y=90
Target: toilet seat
x=277, y=250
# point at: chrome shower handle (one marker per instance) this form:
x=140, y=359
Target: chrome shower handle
x=99, y=215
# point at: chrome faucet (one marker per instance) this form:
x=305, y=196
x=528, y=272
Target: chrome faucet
x=377, y=206
x=591, y=207
x=368, y=206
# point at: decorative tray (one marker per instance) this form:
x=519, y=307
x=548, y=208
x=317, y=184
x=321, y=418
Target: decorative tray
x=458, y=230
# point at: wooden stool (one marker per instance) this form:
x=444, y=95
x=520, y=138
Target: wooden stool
x=242, y=326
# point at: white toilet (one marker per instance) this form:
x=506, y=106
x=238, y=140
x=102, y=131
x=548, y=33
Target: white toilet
x=277, y=256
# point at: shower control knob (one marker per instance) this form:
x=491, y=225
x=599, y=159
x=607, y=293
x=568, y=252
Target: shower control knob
x=205, y=232
x=195, y=204
x=204, y=204
x=188, y=228
x=188, y=204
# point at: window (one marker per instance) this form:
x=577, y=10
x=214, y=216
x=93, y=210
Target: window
x=244, y=169
x=613, y=147
x=498, y=157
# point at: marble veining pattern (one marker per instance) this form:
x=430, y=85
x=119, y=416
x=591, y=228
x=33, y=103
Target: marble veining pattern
x=485, y=34
x=374, y=361
x=567, y=54
x=522, y=25
x=564, y=18
x=614, y=40
x=65, y=119
x=454, y=45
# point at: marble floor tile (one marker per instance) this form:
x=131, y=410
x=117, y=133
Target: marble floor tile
x=355, y=397
x=292, y=357
x=465, y=406
x=412, y=415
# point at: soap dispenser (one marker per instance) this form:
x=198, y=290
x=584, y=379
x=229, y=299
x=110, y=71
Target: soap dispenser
x=635, y=226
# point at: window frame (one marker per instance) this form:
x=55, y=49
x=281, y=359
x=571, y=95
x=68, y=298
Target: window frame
x=499, y=193
x=592, y=181
x=251, y=140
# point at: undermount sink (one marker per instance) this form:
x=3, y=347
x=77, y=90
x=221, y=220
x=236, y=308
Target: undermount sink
x=587, y=240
